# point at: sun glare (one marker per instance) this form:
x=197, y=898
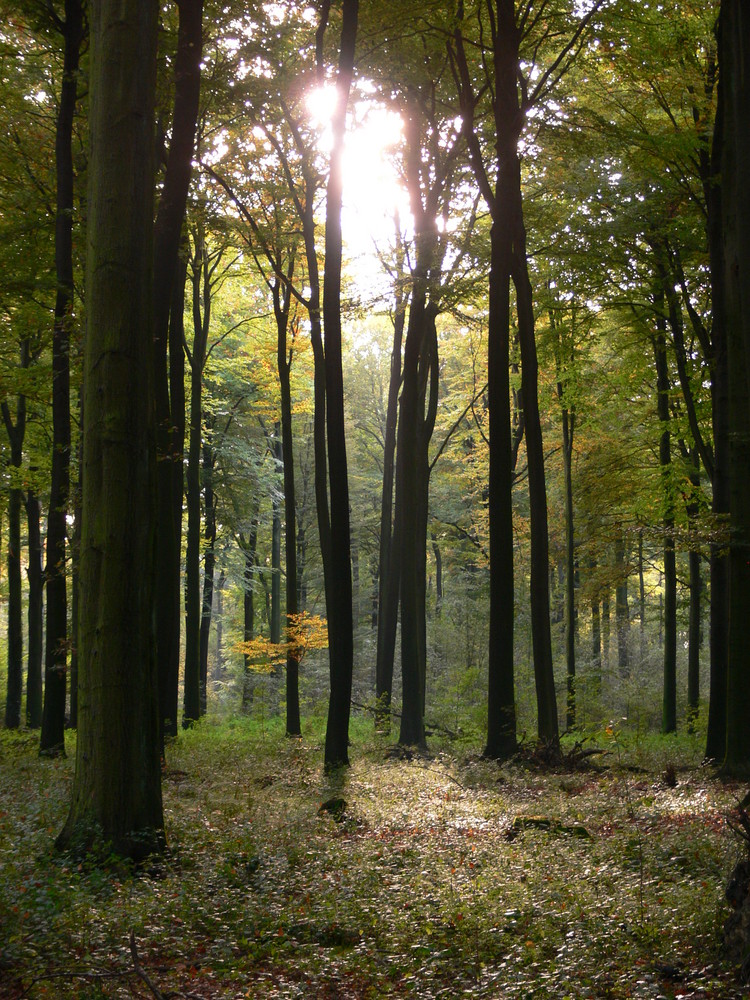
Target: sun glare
x=373, y=194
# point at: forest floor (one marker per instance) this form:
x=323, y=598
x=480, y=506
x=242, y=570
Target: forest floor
x=438, y=876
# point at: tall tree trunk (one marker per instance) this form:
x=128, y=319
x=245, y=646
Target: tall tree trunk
x=209, y=564
x=249, y=546
x=168, y=280
x=56, y=644
x=16, y=433
x=508, y=200
x=412, y=483
x=389, y=572
x=116, y=795
x=696, y=595
x=716, y=734
x=15, y=612
x=169, y=673
x=568, y=425
x=547, y=723
x=284, y=356
x=669, y=704
x=35, y=575
x=564, y=358
x=75, y=586
x=340, y=625
x=596, y=645
x=201, y=324
x=275, y=616
x=622, y=611
x=606, y=632
x=734, y=99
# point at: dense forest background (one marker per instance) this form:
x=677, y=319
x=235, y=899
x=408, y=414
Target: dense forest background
x=413, y=333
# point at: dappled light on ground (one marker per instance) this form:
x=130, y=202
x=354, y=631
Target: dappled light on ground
x=435, y=876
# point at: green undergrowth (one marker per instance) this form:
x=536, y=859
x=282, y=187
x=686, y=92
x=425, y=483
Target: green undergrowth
x=441, y=875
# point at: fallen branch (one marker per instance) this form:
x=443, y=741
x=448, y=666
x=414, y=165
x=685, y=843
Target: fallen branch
x=430, y=727
x=141, y=972
x=521, y=823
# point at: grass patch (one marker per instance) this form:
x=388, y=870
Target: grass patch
x=430, y=877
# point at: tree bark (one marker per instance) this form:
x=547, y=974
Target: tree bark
x=16, y=433
x=669, y=701
x=170, y=411
x=340, y=624
x=734, y=97
x=35, y=575
x=389, y=571
x=282, y=302
x=716, y=734
x=209, y=563
x=250, y=552
x=622, y=611
x=201, y=325
x=116, y=796
x=56, y=644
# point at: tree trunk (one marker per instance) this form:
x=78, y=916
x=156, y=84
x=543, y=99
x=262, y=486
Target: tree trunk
x=596, y=646
x=284, y=365
x=167, y=280
x=16, y=434
x=389, y=572
x=35, y=575
x=340, y=625
x=696, y=594
x=169, y=673
x=501, y=707
x=116, y=796
x=622, y=612
x=201, y=324
x=716, y=734
x=15, y=611
x=734, y=99
x=56, y=645
x=606, y=632
x=412, y=483
x=209, y=564
x=669, y=704
x=75, y=586
x=275, y=617
x=249, y=548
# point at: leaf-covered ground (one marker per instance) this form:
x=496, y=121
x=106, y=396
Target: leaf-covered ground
x=440, y=876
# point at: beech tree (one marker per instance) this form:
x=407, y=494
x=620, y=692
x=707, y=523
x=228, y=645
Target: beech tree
x=169, y=287
x=732, y=147
x=116, y=792
x=72, y=29
x=497, y=169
